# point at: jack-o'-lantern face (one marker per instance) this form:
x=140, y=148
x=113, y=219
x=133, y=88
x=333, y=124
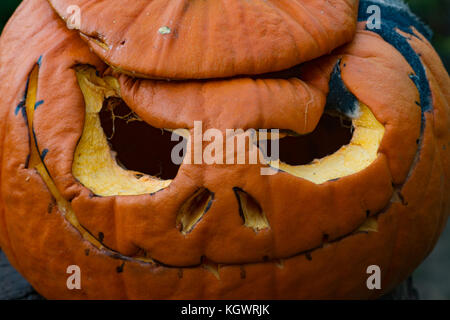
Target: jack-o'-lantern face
x=88, y=172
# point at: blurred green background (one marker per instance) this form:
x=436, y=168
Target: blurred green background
x=432, y=278
x=436, y=13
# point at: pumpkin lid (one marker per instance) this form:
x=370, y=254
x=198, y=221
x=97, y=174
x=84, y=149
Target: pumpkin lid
x=187, y=39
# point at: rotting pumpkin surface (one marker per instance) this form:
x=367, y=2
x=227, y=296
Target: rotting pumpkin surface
x=85, y=168
x=212, y=39
x=389, y=213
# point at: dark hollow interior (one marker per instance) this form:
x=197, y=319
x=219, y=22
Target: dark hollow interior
x=143, y=148
x=139, y=146
x=330, y=135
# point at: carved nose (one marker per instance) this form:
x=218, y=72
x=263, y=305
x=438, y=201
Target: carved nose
x=196, y=206
x=193, y=210
x=250, y=211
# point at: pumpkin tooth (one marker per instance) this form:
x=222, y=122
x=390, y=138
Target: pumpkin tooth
x=211, y=267
x=250, y=211
x=243, y=273
x=308, y=256
x=370, y=225
x=280, y=263
x=396, y=197
x=192, y=211
x=325, y=241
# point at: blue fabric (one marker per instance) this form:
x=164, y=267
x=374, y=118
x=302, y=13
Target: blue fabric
x=339, y=97
x=395, y=14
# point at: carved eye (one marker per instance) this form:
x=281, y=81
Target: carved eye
x=119, y=153
x=338, y=147
x=138, y=146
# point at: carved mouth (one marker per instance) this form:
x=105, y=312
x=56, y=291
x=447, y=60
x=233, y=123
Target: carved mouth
x=193, y=210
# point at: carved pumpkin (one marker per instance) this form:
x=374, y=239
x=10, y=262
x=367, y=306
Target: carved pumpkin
x=140, y=227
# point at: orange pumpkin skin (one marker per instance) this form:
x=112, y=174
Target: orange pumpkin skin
x=311, y=251
x=212, y=39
